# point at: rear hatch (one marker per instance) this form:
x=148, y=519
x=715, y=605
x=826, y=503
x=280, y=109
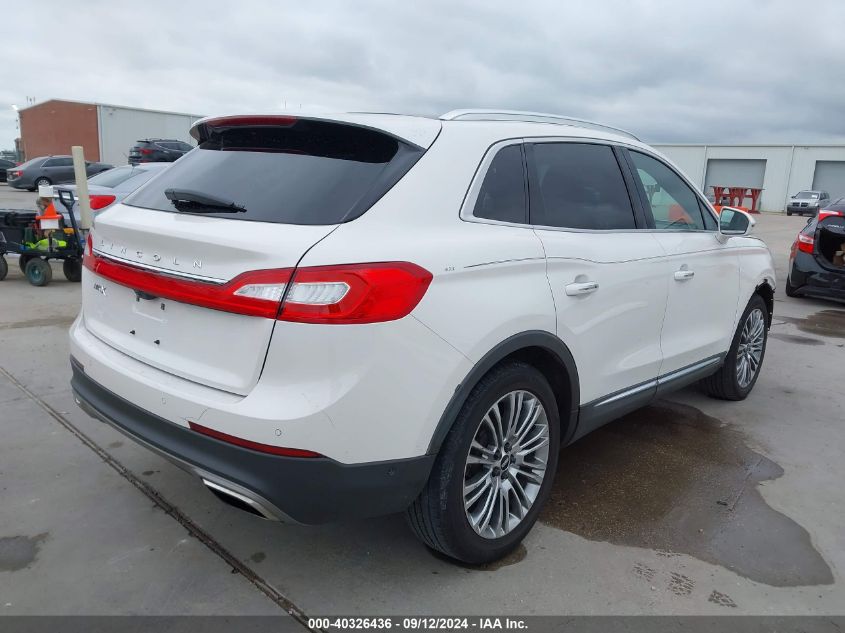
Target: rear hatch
x=830, y=240
x=169, y=259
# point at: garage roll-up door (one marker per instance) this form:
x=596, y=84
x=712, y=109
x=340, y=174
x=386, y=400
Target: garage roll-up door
x=730, y=172
x=830, y=177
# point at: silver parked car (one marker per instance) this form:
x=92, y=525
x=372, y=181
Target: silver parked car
x=112, y=186
x=807, y=202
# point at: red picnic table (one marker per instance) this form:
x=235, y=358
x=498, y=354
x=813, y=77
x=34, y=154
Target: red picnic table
x=735, y=196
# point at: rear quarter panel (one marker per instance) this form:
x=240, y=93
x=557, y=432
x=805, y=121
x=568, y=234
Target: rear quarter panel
x=489, y=281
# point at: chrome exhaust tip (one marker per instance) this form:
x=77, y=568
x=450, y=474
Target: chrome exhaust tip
x=242, y=501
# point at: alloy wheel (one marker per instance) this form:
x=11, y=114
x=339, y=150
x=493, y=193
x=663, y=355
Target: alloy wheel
x=749, y=354
x=506, y=464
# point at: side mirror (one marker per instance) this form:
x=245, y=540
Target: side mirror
x=735, y=222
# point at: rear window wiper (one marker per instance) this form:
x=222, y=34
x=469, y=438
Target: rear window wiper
x=196, y=201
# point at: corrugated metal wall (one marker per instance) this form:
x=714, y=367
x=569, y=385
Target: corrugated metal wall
x=120, y=128
x=788, y=168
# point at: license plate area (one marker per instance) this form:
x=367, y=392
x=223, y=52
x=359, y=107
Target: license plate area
x=151, y=308
x=215, y=348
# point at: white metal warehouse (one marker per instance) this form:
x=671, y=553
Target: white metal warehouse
x=781, y=170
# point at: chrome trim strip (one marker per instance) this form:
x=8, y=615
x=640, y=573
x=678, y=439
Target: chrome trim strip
x=660, y=380
x=680, y=373
x=161, y=271
x=628, y=392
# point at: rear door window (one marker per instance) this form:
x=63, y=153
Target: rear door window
x=308, y=172
x=502, y=196
x=578, y=186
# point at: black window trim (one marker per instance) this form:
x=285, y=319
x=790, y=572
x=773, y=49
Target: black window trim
x=639, y=201
x=703, y=203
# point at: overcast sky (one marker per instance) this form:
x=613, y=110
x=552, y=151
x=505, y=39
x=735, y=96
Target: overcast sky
x=670, y=71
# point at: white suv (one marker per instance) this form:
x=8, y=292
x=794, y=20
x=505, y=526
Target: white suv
x=355, y=315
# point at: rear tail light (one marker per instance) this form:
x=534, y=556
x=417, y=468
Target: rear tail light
x=805, y=243
x=145, y=152
x=99, y=202
x=255, y=446
x=345, y=294
x=17, y=174
x=358, y=293
x=823, y=213
x=250, y=121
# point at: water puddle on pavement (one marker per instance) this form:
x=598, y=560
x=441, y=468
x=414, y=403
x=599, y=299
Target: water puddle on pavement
x=673, y=479
x=19, y=552
x=795, y=338
x=824, y=323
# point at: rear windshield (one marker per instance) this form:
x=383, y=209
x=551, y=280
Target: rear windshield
x=31, y=162
x=310, y=172
x=113, y=177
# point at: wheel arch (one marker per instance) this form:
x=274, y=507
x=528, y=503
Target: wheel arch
x=767, y=292
x=543, y=350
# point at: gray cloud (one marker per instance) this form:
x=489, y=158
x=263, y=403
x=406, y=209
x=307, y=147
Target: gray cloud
x=716, y=71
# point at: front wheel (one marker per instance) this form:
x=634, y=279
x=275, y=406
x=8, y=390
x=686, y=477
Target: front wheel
x=495, y=469
x=736, y=378
x=4, y=268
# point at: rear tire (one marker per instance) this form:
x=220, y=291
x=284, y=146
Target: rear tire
x=790, y=290
x=749, y=344
x=23, y=260
x=4, y=268
x=72, y=268
x=38, y=272
x=449, y=515
x=42, y=182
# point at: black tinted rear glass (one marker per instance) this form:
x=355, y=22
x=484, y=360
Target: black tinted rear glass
x=502, y=195
x=578, y=186
x=310, y=172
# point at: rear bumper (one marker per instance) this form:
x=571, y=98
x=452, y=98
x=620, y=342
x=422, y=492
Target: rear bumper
x=809, y=278
x=301, y=490
x=20, y=183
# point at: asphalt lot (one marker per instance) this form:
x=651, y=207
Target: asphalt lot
x=691, y=506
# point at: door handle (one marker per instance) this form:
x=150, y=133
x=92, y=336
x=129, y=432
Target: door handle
x=683, y=275
x=583, y=288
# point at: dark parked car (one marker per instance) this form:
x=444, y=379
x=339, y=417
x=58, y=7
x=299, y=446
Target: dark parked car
x=158, y=150
x=817, y=258
x=808, y=202
x=4, y=165
x=48, y=170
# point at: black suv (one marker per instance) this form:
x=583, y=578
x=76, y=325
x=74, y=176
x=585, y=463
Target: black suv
x=158, y=150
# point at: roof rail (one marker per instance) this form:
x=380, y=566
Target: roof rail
x=529, y=117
